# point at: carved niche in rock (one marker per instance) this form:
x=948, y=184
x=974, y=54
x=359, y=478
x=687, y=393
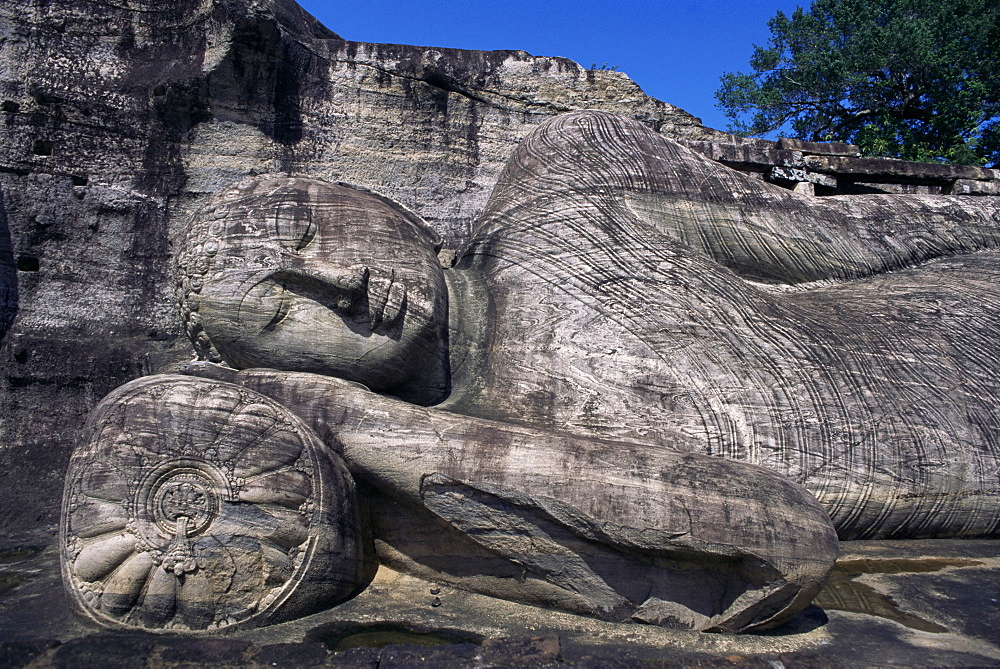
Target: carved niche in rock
x=540, y=422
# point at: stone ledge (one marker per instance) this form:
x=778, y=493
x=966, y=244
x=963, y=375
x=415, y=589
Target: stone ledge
x=892, y=169
x=976, y=187
x=819, y=148
x=836, y=168
x=747, y=153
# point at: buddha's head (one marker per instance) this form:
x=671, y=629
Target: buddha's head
x=303, y=275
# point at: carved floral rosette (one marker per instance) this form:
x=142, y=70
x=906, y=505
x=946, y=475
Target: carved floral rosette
x=197, y=504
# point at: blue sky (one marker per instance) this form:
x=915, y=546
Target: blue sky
x=676, y=50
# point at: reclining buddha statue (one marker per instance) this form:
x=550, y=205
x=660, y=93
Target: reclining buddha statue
x=650, y=388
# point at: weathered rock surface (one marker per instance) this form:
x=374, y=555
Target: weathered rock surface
x=619, y=286
x=622, y=286
x=299, y=274
x=907, y=603
x=121, y=118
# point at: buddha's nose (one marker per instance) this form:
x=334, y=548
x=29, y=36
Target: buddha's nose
x=386, y=299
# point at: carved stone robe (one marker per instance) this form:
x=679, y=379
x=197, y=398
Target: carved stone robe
x=639, y=291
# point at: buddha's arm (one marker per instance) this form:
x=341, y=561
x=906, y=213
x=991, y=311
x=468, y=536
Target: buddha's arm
x=536, y=497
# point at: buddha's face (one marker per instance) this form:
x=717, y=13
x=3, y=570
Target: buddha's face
x=314, y=277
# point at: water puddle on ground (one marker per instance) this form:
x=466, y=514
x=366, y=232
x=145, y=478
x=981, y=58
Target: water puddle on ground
x=342, y=636
x=18, y=554
x=843, y=593
x=10, y=579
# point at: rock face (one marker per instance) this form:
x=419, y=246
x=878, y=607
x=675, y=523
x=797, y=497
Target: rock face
x=120, y=119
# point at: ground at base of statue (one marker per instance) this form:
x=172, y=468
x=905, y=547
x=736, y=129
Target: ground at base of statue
x=906, y=603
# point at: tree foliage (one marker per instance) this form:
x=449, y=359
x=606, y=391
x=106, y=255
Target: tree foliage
x=916, y=79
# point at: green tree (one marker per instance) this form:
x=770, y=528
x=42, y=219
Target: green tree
x=915, y=79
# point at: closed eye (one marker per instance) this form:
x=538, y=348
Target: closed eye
x=279, y=298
